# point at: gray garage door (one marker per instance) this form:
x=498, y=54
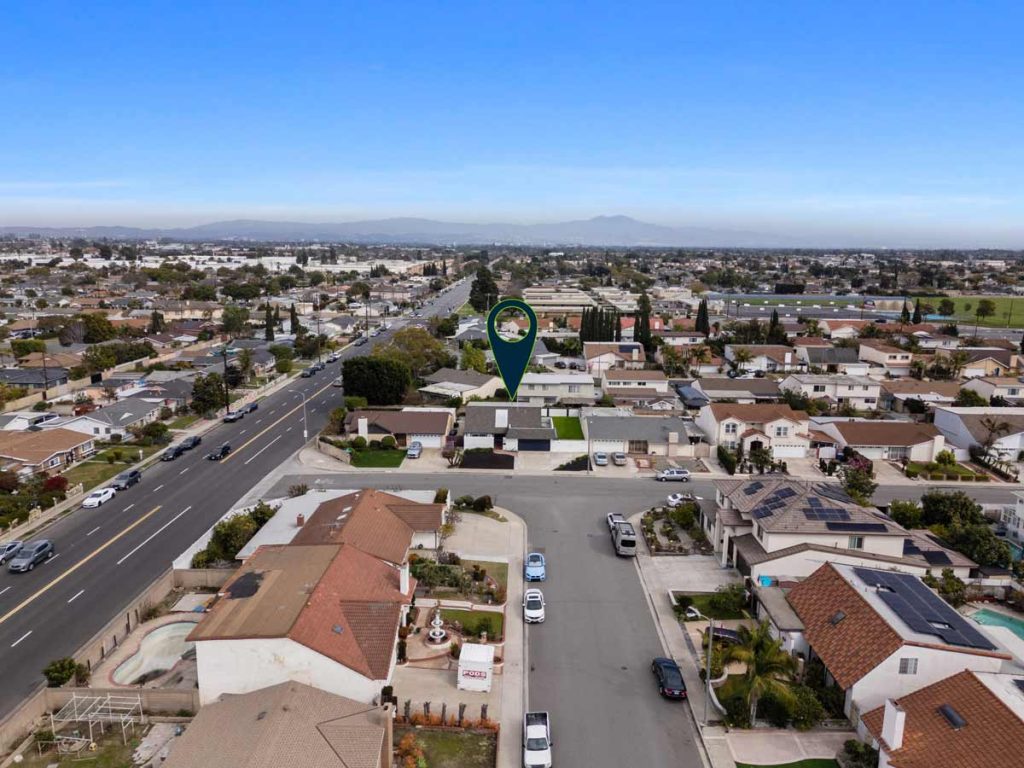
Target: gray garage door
x=534, y=445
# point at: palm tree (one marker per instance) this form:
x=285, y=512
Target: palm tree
x=995, y=429
x=917, y=368
x=957, y=362
x=769, y=668
x=741, y=357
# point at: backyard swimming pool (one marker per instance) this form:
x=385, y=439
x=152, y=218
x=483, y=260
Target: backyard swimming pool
x=158, y=652
x=996, y=619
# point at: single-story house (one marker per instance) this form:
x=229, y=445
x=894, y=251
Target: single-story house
x=886, y=440
x=831, y=359
x=288, y=725
x=1003, y=428
x=50, y=450
x=427, y=426
x=743, y=391
x=508, y=426
x=114, y=419
x=18, y=421
x=671, y=436
x=447, y=383
x=603, y=355
x=34, y=378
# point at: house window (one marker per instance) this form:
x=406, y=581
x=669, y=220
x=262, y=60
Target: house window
x=731, y=428
x=1012, y=391
x=54, y=462
x=95, y=430
x=782, y=431
x=856, y=542
x=819, y=387
x=574, y=389
x=908, y=666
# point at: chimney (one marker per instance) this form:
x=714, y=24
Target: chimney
x=893, y=721
x=788, y=358
x=364, y=427
x=403, y=581
x=501, y=418
x=300, y=520
x=636, y=354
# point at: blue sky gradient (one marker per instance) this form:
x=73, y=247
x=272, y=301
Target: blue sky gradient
x=901, y=121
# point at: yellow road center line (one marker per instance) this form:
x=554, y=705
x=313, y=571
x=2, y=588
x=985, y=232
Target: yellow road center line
x=43, y=590
x=261, y=433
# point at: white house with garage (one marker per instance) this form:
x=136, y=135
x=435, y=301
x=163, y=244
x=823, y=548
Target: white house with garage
x=564, y=387
x=774, y=426
x=858, y=391
x=1002, y=428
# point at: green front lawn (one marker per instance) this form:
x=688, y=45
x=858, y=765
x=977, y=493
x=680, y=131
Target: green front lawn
x=497, y=571
x=568, y=427
x=97, y=469
x=702, y=602
x=376, y=459
x=814, y=762
x=183, y=422
x=454, y=749
x=926, y=470
x=476, y=621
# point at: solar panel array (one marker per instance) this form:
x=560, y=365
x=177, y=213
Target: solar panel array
x=816, y=510
x=857, y=527
x=771, y=503
x=753, y=488
x=922, y=610
x=936, y=557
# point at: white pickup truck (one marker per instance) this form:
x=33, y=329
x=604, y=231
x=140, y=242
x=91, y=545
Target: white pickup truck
x=536, y=740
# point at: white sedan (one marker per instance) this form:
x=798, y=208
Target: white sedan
x=101, y=496
x=675, y=499
x=533, y=606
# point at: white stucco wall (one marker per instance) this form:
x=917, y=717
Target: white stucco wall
x=478, y=441
x=241, y=666
x=878, y=545
x=803, y=564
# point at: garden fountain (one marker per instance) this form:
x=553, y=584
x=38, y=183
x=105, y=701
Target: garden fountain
x=437, y=634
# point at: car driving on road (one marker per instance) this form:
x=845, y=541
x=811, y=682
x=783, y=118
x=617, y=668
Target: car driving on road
x=533, y=606
x=190, y=442
x=126, y=480
x=232, y=416
x=250, y=408
x=220, y=453
x=9, y=549
x=98, y=497
x=535, y=568
x=674, y=474
x=31, y=555
x=675, y=499
x=669, y=678
x=172, y=453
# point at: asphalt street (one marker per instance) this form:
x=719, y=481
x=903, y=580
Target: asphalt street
x=108, y=555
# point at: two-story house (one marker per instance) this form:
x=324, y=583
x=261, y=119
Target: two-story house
x=831, y=359
x=769, y=358
x=839, y=390
x=636, y=387
x=776, y=427
x=562, y=387
x=1009, y=388
x=891, y=361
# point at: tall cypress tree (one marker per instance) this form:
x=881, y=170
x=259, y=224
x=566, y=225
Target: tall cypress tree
x=268, y=324
x=905, y=313
x=618, y=327
x=703, y=322
x=293, y=320
x=917, y=312
x=643, y=322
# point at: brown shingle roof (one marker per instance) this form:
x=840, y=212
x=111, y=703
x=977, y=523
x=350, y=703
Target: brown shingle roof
x=375, y=522
x=992, y=737
x=853, y=646
x=623, y=350
x=36, y=447
x=622, y=374
x=289, y=725
x=756, y=413
x=402, y=422
x=898, y=433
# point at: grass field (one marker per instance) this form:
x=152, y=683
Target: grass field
x=454, y=749
x=568, y=427
x=370, y=459
x=97, y=469
x=1009, y=311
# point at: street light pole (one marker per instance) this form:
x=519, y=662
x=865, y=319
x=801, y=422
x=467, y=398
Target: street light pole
x=305, y=424
x=707, y=673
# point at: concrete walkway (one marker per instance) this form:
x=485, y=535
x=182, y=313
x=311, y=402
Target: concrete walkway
x=778, y=747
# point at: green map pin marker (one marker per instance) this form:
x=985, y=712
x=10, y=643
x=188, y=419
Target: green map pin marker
x=512, y=357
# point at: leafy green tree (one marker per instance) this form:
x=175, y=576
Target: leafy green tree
x=483, y=293
x=293, y=320
x=97, y=328
x=951, y=589
x=775, y=334
x=986, y=308
x=947, y=307
x=703, y=321
x=906, y=513
x=244, y=361
x=24, y=347
x=968, y=398
x=235, y=320
x=229, y=536
x=905, y=313
x=416, y=349
x=99, y=357
x=156, y=322
x=381, y=380
x=917, y=312
x=207, y=393
x=444, y=327
x=473, y=359
x=858, y=485
x=284, y=365
x=945, y=507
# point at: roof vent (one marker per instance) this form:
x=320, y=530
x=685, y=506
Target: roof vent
x=837, y=617
x=952, y=716
x=337, y=629
x=261, y=715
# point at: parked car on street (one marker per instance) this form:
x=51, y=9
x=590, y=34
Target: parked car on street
x=619, y=459
x=308, y=373
x=533, y=606
x=613, y=519
x=172, y=453
x=670, y=679
x=190, y=442
x=233, y=416
x=250, y=407
x=414, y=450
x=600, y=459
x=98, y=497
x=560, y=364
x=9, y=549
x=360, y=341
x=535, y=568
x=675, y=499
x=220, y=453
x=31, y=555
x=674, y=474
x=536, y=740
x=126, y=480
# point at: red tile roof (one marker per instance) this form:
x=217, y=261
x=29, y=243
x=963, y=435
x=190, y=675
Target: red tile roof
x=993, y=736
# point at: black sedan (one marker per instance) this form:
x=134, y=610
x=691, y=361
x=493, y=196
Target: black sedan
x=220, y=453
x=670, y=679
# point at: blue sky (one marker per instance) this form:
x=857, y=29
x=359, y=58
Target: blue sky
x=849, y=122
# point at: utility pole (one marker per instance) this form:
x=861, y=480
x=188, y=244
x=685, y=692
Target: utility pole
x=707, y=672
x=227, y=391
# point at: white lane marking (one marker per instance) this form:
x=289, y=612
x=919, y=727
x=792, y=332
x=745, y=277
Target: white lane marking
x=242, y=432
x=4, y=590
x=90, y=533
x=273, y=412
x=77, y=595
x=289, y=429
x=261, y=450
x=155, y=534
x=312, y=409
x=259, y=421
x=50, y=560
x=186, y=469
x=23, y=637
x=128, y=507
x=158, y=487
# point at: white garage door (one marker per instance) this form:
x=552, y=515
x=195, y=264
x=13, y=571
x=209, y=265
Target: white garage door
x=789, y=451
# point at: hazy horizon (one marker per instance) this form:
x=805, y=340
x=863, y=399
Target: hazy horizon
x=885, y=126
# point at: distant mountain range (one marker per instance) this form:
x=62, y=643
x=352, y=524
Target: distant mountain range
x=598, y=231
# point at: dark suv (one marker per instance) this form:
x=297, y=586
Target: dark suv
x=31, y=555
x=172, y=453
x=126, y=480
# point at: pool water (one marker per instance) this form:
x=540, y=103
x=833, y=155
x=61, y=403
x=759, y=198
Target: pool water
x=996, y=619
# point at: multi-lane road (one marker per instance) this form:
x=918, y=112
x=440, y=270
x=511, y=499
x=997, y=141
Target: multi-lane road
x=108, y=555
